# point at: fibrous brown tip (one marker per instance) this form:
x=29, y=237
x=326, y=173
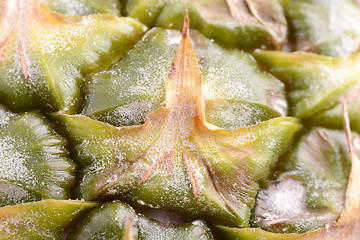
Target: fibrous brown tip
x=23, y=64
x=185, y=30
x=232, y=8
x=129, y=228
x=346, y=120
x=192, y=175
x=352, y=193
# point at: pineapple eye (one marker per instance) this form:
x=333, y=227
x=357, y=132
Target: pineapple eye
x=34, y=162
x=177, y=160
x=338, y=34
x=118, y=220
x=44, y=56
x=181, y=119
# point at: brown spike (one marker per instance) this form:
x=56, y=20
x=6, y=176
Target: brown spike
x=151, y=170
x=184, y=84
x=24, y=65
x=186, y=25
x=352, y=198
x=232, y=8
x=129, y=235
x=193, y=178
x=346, y=118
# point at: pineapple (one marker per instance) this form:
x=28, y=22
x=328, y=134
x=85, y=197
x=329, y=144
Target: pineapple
x=118, y=121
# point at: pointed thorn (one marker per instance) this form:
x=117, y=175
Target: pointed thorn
x=193, y=178
x=185, y=30
x=184, y=83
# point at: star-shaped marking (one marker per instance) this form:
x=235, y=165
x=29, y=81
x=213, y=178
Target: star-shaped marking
x=176, y=160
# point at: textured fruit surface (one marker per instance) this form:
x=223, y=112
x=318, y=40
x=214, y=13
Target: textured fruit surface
x=117, y=220
x=184, y=119
x=34, y=161
x=234, y=97
x=39, y=220
x=176, y=160
x=45, y=55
